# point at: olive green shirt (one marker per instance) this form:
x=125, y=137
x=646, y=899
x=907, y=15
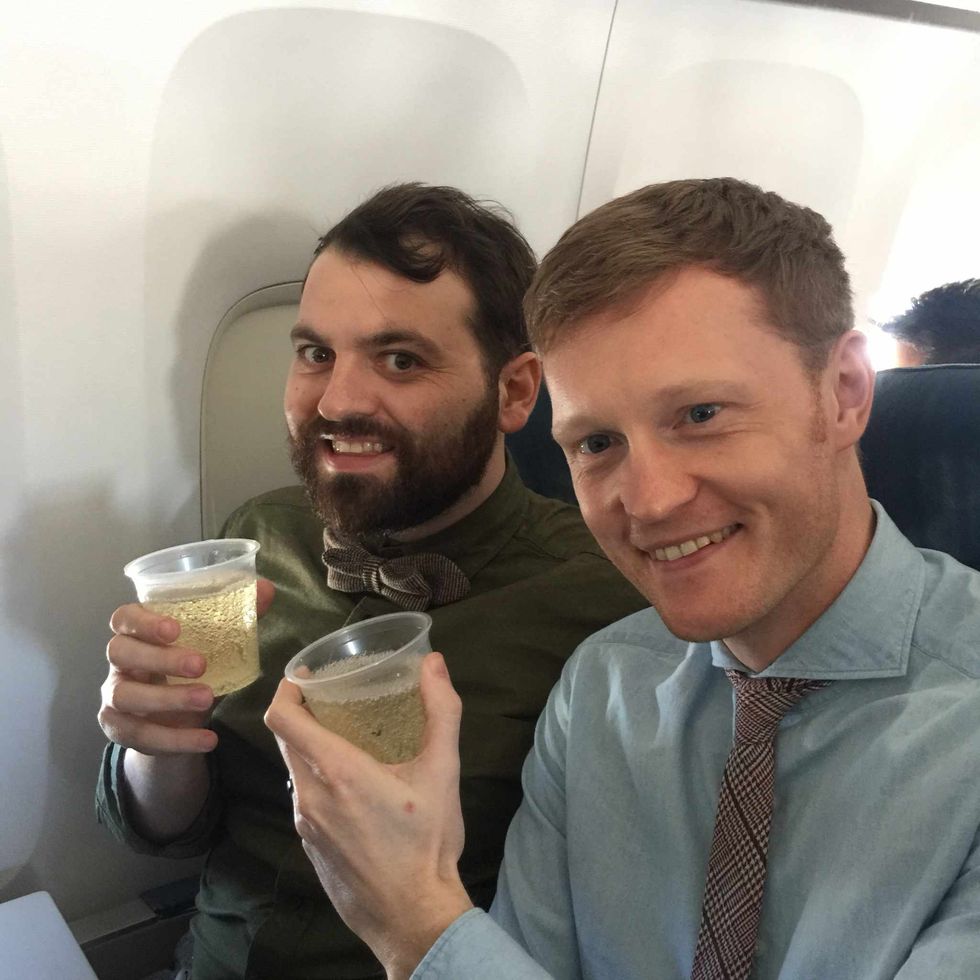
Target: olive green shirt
x=539, y=586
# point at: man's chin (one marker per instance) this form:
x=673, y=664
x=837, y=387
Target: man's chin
x=694, y=629
x=363, y=507
x=344, y=501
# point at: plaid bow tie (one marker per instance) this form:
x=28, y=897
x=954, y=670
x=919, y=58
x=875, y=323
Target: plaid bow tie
x=413, y=582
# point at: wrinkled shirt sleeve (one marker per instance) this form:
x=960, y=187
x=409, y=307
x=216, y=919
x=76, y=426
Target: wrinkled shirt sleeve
x=112, y=810
x=530, y=931
x=949, y=946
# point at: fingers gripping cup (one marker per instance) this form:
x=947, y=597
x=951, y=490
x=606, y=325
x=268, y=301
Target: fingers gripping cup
x=209, y=588
x=362, y=682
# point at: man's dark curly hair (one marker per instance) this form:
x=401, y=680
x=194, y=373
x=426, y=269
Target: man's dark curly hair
x=417, y=230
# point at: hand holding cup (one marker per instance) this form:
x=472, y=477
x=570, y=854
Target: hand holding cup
x=156, y=698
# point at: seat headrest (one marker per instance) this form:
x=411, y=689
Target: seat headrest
x=922, y=455
x=539, y=459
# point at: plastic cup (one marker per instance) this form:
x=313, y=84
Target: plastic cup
x=362, y=682
x=209, y=588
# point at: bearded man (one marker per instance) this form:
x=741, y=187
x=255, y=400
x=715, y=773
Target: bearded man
x=411, y=363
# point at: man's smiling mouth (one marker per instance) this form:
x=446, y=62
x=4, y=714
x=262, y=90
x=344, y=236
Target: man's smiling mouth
x=682, y=549
x=354, y=447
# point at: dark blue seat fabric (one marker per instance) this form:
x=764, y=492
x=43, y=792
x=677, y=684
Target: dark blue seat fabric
x=922, y=455
x=539, y=460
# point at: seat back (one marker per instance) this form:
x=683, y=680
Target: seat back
x=921, y=455
x=540, y=462
x=243, y=431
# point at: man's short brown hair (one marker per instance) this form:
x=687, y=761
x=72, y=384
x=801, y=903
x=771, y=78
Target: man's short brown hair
x=611, y=256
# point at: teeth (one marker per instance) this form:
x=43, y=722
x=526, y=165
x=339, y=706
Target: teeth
x=356, y=448
x=674, y=551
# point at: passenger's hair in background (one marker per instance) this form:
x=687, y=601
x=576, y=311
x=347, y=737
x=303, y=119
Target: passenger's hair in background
x=943, y=324
x=416, y=231
x=611, y=256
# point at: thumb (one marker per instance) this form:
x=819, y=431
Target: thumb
x=443, y=710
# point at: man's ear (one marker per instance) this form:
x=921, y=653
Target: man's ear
x=520, y=379
x=853, y=380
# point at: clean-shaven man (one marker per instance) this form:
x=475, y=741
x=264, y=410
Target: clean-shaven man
x=788, y=786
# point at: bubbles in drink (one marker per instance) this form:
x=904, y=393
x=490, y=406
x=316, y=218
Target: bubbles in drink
x=385, y=718
x=222, y=626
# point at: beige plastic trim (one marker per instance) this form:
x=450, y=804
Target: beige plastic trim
x=243, y=435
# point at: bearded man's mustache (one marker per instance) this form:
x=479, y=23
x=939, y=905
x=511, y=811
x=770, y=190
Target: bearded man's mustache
x=357, y=426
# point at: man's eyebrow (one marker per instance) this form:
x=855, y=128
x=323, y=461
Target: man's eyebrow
x=303, y=331
x=392, y=334
x=706, y=389
x=400, y=335
x=695, y=391
x=565, y=428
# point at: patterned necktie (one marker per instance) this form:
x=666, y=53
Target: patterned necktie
x=413, y=582
x=737, y=865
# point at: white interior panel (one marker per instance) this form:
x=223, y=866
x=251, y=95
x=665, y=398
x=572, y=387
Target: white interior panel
x=936, y=237
x=714, y=118
x=22, y=784
x=847, y=113
x=154, y=169
x=237, y=198
x=329, y=106
x=243, y=433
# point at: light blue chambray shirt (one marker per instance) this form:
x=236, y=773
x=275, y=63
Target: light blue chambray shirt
x=874, y=858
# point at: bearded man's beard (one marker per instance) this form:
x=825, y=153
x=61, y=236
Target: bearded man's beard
x=433, y=470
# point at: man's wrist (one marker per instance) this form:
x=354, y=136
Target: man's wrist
x=423, y=925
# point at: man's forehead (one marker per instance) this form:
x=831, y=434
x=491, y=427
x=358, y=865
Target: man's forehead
x=374, y=275
x=342, y=293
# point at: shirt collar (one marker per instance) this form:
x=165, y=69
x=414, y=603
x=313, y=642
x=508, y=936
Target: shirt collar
x=478, y=537
x=867, y=630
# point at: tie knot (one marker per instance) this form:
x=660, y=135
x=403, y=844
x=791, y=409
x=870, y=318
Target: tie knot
x=761, y=702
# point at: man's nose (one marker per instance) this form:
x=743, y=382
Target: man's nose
x=350, y=389
x=656, y=482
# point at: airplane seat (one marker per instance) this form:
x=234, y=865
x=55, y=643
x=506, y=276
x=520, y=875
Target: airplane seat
x=920, y=455
x=540, y=462
x=243, y=432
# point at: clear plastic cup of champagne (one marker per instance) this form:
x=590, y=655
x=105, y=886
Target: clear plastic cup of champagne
x=209, y=588
x=362, y=682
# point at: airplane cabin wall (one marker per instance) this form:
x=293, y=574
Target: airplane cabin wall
x=870, y=121
x=157, y=167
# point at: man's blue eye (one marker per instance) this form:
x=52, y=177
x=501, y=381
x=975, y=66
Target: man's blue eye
x=702, y=413
x=593, y=444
